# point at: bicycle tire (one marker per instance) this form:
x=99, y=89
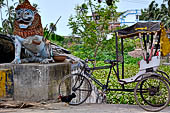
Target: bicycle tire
x=152, y=93
x=78, y=84
x=149, y=103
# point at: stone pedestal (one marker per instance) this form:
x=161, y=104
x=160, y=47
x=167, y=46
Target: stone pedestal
x=37, y=82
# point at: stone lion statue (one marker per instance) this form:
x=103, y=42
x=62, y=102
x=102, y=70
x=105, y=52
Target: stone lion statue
x=28, y=33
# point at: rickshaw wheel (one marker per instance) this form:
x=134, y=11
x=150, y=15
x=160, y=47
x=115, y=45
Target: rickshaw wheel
x=152, y=93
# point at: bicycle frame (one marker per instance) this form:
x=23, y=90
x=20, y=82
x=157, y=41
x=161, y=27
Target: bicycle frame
x=105, y=86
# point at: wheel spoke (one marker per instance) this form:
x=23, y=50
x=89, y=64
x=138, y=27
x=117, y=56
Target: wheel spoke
x=152, y=93
x=83, y=89
x=78, y=84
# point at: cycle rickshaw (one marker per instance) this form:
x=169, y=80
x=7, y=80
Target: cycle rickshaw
x=152, y=91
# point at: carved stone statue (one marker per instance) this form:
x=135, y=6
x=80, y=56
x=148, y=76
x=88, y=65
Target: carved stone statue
x=28, y=33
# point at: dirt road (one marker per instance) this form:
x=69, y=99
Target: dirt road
x=84, y=108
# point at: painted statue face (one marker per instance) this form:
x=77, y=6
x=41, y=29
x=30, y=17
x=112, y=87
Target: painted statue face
x=24, y=17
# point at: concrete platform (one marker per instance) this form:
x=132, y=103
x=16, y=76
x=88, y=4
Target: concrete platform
x=37, y=82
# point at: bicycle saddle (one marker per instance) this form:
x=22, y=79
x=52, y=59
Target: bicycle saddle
x=110, y=61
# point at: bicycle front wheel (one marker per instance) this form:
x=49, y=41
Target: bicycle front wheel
x=77, y=84
x=152, y=93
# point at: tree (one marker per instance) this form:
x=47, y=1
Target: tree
x=93, y=29
x=7, y=23
x=151, y=12
x=1, y=5
x=108, y=2
x=168, y=5
x=154, y=12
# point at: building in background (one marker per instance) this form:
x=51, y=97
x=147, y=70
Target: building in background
x=129, y=17
x=113, y=24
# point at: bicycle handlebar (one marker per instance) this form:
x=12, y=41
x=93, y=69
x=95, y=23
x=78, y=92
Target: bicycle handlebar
x=105, y=61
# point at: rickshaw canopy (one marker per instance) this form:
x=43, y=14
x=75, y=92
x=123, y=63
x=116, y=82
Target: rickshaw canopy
x=140, y=27
x=145, y=28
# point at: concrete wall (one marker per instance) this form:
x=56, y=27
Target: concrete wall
x=37, y=82
x=6, y=83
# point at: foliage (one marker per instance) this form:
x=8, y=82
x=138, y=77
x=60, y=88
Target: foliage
x=54, y=37
x=93, y=29
x=49, y=34
x=154, y=12
x=131, y=60
x=107, y=51
x=7, y=23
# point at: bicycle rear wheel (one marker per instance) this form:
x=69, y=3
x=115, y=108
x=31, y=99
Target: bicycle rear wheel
x=152, y=93
x=77, y=84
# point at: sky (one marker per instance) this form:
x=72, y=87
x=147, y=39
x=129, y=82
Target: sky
x=124, y=5
x=51, y=10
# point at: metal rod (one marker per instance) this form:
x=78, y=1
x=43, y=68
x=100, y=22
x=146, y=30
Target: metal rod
x=141, y=43
x=122, y=51
x=108, y=77
x=157, y=45
x=94, y=79
x=152, y=37
x=144, y=41
x=127, y=90
x=117, y=56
